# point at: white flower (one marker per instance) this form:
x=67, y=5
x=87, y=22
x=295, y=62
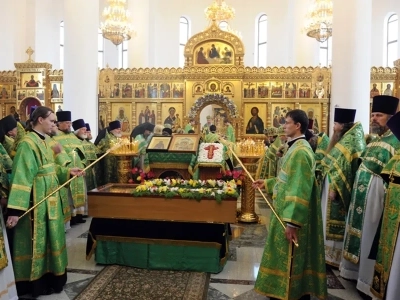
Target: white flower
x=219, y=192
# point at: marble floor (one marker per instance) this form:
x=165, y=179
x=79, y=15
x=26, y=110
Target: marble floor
x=236, y=281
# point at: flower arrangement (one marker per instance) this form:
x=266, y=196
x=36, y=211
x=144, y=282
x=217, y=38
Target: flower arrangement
x=139, y=176
x=236, y=175
x=191, y=189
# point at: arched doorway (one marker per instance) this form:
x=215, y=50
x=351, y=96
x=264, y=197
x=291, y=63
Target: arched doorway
x=223, y=106
x=25, y=107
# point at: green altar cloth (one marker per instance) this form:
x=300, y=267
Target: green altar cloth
x=166, y=157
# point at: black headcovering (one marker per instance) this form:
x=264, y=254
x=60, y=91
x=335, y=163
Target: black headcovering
x=385, y=104
x=87, y=127
x=168, y=130
x=8, y=123
x=63, y=116
x=394, y=125
x=344, y=115
x=78, y=124
x=114, y=125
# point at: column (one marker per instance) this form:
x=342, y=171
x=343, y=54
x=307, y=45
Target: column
x=48, y=16
x=302, y=50
x=139, y=50
x=351, y=58
x=7, y=23
x=80, y=60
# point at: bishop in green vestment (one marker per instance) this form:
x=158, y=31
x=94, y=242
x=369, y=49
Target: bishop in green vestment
x=386, y=276
x=340, y=164
x=367, y=197
x=39, y=251
x=295, y=195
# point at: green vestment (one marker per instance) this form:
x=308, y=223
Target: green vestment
x=62, y=159
x=341, y=164
x=390, y=227
x=108, y=173
x=296, y=200
x=73, y=147
x=268, y=164
x=8, y=144
x=5, y=159
x=230, y=134
x=377, y=155
x=91, y=155
x=320, y=152
x=39, y=238
x=188, y=127
x=4, y=188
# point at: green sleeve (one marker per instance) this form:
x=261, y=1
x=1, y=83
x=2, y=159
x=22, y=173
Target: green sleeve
x=269, y=185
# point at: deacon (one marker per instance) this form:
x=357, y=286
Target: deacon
x=73, y=146
x=39, y=256
x=368, y=194
x=286, y=271
x=385, y=284
x=109, y=173
x=340, y=165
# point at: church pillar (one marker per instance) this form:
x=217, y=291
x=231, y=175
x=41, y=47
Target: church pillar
x=48, y=16
x=351, y=58
x=139, y=49
x=7, y=23
x=80, y=60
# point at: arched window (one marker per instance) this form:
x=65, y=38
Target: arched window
x=123, y=55
x=262, y=41
x=183, y=38
x=325, y=53
x=223, y=25
x=100, y=49
x=392, y=38
x=62, y=45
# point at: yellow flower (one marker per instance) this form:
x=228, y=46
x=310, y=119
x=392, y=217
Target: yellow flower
x=212, y=182
x=201, y=190
x=173, y=182
x=148, y=183
x=139, y=178
x=239, y=182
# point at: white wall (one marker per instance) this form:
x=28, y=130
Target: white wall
x=35, y=23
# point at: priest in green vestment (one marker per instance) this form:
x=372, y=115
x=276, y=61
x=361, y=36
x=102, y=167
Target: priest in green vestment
x=263, y=163
x=367, y=197
x=39, y=253
x=190, y=125
x=91, y=152
x=287, y=271
x=340, y=166
x=73, y=146
x=7, y=283
x=386, y=276
x=109, y=172
x=9, y=126
x=229, y=131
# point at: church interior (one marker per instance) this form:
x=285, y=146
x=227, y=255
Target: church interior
x=182, y=63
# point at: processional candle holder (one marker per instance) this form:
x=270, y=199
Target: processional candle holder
x=124, y=155
x=249, y=152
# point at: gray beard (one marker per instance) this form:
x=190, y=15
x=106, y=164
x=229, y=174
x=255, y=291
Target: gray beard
x=377, y=129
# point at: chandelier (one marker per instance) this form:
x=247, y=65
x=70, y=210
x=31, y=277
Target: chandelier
x=219, y=11
x=116, y=26
x=318, y=23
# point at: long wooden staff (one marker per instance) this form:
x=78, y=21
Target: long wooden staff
x=262, y=194
x=69, y=180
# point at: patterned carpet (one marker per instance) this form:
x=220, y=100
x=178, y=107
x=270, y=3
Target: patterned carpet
x=121, y=282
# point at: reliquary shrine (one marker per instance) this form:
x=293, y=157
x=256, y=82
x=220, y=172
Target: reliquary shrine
x=214, y=83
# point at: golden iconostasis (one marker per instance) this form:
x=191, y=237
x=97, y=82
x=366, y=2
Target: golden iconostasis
x=214, y=84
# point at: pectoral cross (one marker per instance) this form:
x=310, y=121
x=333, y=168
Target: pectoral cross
x=211, y=149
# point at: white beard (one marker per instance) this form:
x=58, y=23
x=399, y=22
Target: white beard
x=118, y=135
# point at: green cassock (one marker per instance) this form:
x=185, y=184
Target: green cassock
x=73, y=147
x=39, y=245
x=390, y=228
x=8, y=144
x=341, y=164
x=377, y=155
x=268, y=164
x=296, y=200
